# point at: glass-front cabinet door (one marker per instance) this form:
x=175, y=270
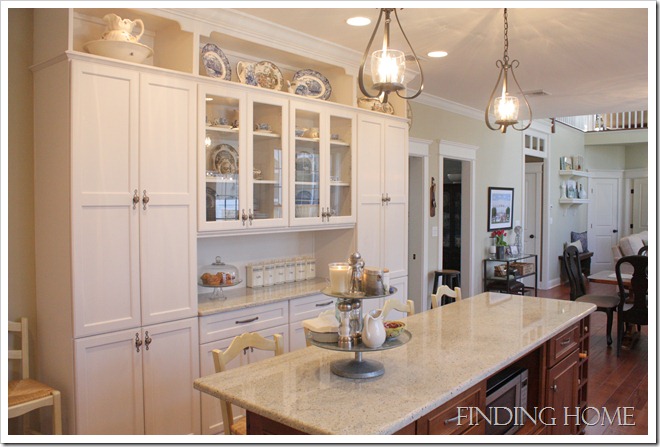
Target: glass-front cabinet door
x=267, y=155
x=241, y=161
x=322, y=165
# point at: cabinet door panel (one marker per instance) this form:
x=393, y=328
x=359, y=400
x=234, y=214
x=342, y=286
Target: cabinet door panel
x=109, y=384
x=562, y=394
x=104, y=176
x=167, y=173
x=171, y=363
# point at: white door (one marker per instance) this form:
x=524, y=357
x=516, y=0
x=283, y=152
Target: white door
x=109, y=384
x=603, y=222
x=168, y=240
x=533, y=208
x=640, y=220
x=417, y=206
x=104, y=178
x=170, y=364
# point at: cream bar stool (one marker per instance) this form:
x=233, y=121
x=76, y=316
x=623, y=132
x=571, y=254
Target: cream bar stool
x=444, y=290
x=221, y=359
x=26, y=394
x=393, y=303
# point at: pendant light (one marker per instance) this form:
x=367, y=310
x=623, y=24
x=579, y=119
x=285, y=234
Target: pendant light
x=388, y=65
x=506, y=107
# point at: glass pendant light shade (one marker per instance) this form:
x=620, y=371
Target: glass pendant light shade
x=387, y=69
x=506, y=109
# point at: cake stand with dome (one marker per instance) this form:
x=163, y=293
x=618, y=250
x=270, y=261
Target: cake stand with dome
x=217, y=276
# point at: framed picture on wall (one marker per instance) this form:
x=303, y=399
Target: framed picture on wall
x=500, y=208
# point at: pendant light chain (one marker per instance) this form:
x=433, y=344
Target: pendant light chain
x=506, y=38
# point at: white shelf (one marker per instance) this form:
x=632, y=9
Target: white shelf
x=573, y=201
x=223, y=129
x=573, y=173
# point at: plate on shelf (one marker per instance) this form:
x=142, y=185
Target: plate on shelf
x=305, y=167
x=215, y=62
x=375, y=105
x=312, y=84
x=267, y=75
x=224, y=159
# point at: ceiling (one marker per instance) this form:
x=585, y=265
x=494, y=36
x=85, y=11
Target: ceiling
x=588, y=60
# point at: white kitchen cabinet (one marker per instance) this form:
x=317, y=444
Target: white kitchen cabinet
x=132, y=182
x=114, y=223
x=136, y=382
x=304, y=309
x=217, y=332
x=242, y=161
x=322, y=165
x=382, y=229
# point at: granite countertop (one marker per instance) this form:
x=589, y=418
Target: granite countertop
x=239, y=298
x=452, y=348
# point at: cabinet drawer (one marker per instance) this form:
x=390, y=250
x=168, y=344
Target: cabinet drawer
x=444, y=420
x=563, y=343
x=309, y=307
x=233, y=323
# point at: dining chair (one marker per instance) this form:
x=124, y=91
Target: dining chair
x=248, y=340
x=604, y=303
x=638, y=312
x=444, y=290
x=644, y=251
x=394, y=304
x=25, y=394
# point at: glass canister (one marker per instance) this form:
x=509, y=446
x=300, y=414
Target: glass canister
x=310, y=268
x=290, y=270
x=301, y=269
x=219, y=274
x=280, y=274
x=255, y=275
x=269, y=274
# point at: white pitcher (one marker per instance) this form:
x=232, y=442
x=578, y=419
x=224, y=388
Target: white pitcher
x=121, y=29
x=373, y=330
x=245, y=72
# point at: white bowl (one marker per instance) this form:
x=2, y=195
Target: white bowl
x=117, y=49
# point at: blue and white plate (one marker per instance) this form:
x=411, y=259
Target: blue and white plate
x=215, y=62
x=312, y=84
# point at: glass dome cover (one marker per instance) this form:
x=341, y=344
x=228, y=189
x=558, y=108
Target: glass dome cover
x=219, y=274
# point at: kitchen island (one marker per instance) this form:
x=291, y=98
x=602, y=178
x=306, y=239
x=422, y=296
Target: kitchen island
x=453, y=349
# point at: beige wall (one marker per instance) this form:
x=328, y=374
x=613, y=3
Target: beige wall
x=500, y=163
x=21, y=286
x=637, y=156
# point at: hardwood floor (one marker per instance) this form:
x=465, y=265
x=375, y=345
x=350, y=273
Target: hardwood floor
x=614, y=382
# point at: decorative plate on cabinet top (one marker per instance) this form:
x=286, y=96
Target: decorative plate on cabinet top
x=312, y=84
x=215, y=62
x=267, y=75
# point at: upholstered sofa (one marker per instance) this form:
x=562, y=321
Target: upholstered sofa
x=630, y=245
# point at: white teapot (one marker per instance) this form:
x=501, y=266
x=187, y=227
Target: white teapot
x=121, y=29
x=373, y=330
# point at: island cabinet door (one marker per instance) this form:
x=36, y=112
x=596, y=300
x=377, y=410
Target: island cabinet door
x=562, y=396
x=211, y=412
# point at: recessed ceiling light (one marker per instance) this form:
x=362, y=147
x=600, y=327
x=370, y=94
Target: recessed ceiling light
x=358, y=21
x=436, y=53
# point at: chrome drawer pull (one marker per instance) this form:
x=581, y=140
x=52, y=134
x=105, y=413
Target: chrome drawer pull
x=247, y=321
x=324, y=304
x=565, y=342
x=451, y=420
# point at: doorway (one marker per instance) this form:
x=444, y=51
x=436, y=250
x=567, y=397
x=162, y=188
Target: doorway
x=418, y=209
x=603, y=221
x=451, y=214
x=531, y=233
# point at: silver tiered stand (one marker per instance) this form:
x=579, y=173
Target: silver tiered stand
x=350, y=338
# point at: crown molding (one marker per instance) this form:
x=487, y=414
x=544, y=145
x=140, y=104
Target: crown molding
x=449, y=106
x=243, y=26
